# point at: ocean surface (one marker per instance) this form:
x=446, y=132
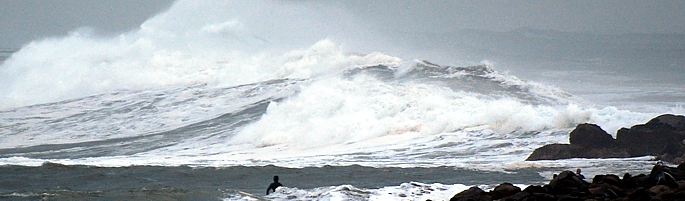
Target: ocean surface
x=209, y=102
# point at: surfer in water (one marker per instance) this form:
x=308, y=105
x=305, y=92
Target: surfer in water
x=273, y=186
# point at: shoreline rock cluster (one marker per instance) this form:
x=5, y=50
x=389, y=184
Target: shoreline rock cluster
x=662, y=183
x=662, y=137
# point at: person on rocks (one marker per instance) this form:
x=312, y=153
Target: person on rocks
x=274, y=185
x=661, y=176
x=578, y=173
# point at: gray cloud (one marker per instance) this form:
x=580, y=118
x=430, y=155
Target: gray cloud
x=626, y=16
x=23, y=21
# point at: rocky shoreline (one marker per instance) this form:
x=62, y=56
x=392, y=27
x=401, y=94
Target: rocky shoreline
x=662, y=183
x=662, y=137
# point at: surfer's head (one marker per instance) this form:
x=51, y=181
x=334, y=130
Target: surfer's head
x=275, y=178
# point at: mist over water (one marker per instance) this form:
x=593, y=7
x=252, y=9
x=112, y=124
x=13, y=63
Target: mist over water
x=230, y=43
x=219, y=43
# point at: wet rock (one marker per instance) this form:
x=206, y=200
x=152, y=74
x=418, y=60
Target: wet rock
x=605, y=191
x=504, y=190
x=654, y=138
x=661, y=191
x=590, y=136
x=544, y=197
x=609, y=179
x=661, y=175
x=662, y=137
x=675, y=121
x=679, y=195
x=472, y=194
x=535, y=189
x=659, y=184
x=523, y=195
x=567, y=182
x=567, y=151
x=640, y=194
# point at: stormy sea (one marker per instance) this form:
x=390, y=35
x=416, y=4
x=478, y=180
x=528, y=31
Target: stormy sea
x=209, y=102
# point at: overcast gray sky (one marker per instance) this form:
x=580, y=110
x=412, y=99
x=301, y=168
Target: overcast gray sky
x=597, y=16
x=26, y=20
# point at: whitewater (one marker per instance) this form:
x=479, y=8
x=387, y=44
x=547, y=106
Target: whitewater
x=227, y=86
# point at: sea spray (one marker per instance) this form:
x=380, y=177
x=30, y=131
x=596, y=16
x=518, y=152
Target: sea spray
x=228, y=84
x=219, y=43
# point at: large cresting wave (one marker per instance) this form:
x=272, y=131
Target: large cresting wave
x=223, y=84
x=215, y=42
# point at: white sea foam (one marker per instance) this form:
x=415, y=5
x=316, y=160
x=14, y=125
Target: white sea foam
x=330, y=120
x=200, y=62
x=215, y=42
x=40, y=73
x=405, y=191
x=326, y=119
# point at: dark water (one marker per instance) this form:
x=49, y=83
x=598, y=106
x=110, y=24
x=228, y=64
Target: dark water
x=61, y=182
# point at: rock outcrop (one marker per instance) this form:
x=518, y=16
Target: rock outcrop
x=472, y=194
x=662, y=183
x=504, y=190
x=590, y=135
x=566, y=151
x=663, y=137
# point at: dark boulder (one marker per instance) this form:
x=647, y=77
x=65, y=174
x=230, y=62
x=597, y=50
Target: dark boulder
x=635, y=181
x=566, y=151
x=567, y=185
x=520, y=196
x=660, y=175
x=532, y=189
x=567, y=182
x=661, y=191
x=605, y=190
x=662, y=137
x=640, y=194
x=590, y=136
x=677, y=122
x=554, y=151
x=545, y=197
x=504, y=190
x=612, y=179
x=472, y=194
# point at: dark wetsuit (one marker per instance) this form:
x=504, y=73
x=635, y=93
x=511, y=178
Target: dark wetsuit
x=274, y=185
